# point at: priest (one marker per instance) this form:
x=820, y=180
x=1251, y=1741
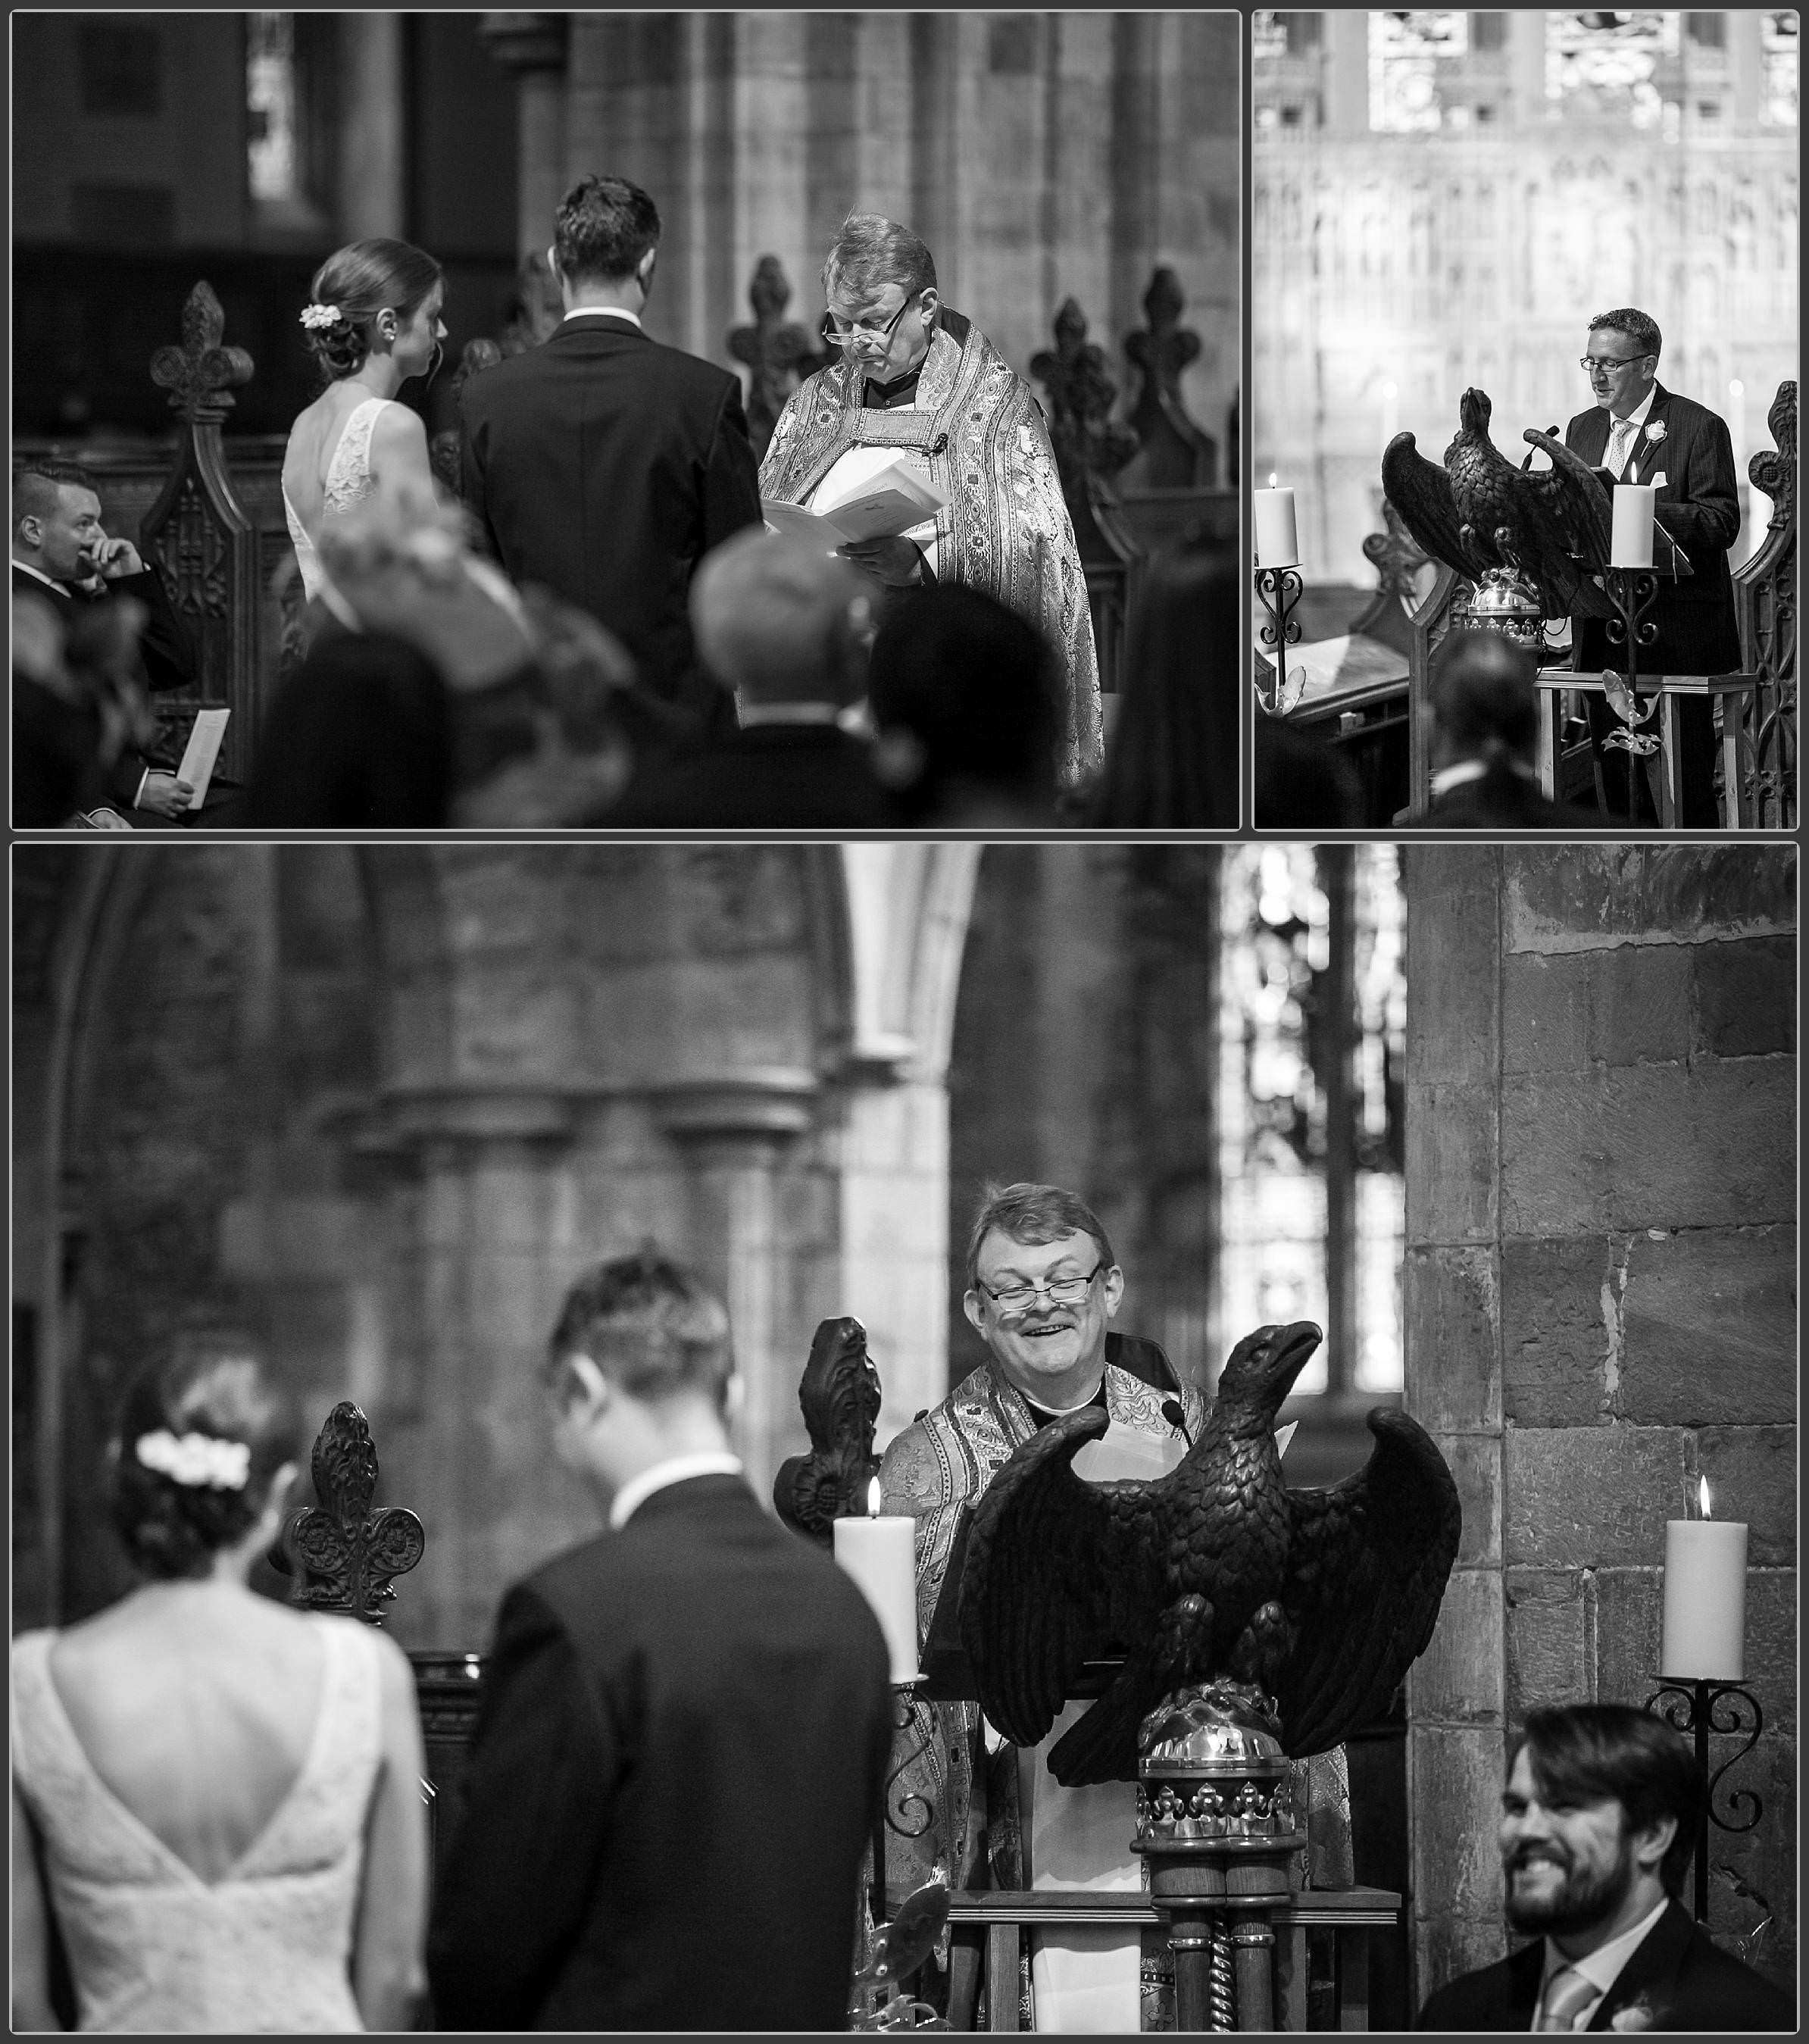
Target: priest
x=913, y=375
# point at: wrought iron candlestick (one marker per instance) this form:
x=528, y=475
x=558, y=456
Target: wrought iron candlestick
x=1696, y=1707
x=1278, y=590
x=1633, y=592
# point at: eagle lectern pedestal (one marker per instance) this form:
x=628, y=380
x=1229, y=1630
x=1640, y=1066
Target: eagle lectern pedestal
x=1215, y=1823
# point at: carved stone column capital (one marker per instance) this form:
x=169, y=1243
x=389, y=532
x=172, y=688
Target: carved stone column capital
x=516, y=1115
x=759, y=1109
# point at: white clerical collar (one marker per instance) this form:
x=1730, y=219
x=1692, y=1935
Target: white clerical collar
x=604, y=312
x=679, y=1469
x=747, y=713
x=1602, y=1967
x=1473, y=769
x=49, y=582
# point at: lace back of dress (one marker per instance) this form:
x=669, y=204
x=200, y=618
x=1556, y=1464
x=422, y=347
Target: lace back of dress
x=349, y=479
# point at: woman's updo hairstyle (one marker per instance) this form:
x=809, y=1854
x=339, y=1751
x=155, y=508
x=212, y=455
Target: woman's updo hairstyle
x=188, y=1426
x=358, y=281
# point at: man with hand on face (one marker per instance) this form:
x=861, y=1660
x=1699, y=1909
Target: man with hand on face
x=915, y=378
x=1638, y=432
x=1598, y=1823
x=678, y=1755
x=63, y=553
x=603, y=464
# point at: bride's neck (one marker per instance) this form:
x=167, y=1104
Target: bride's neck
x=378, y=373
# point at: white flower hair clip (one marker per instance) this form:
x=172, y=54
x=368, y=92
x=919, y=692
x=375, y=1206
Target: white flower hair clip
x=315, y=317
x=197, y=1461
x=1656, y=430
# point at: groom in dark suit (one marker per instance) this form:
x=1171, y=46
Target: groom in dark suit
x=601, y=463
x=1599, y=1821
x=1638, y=432
x=685, y=1724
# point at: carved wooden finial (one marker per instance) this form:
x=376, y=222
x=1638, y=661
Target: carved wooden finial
x=839, y=1393
x=779, y=353
x=1776, y=472
x=1396, y=556
x=1088, y=447
x=201, y=375
x=1178, y=454
x=342, y=1554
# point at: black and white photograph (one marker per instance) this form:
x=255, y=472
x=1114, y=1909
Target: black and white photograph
x=498, y=345
x=922, y=1154
x=1468, y=230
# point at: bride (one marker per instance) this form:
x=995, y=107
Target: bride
x=373, y=322
x=216, y=1799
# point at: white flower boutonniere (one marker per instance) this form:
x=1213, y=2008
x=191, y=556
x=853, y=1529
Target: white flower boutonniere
x=1656, y=430
x=1636, y=2016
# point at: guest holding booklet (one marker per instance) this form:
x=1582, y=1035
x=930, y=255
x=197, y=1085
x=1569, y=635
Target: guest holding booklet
x=921, y=413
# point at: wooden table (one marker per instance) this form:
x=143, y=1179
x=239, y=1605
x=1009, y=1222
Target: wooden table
x=994, y=1922
x=1734, y=690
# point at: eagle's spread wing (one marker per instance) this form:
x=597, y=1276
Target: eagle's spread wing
x=1420, y=491
x=1055, y=1576
x=1367, y=1565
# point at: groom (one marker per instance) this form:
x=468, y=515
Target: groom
x=601, y=463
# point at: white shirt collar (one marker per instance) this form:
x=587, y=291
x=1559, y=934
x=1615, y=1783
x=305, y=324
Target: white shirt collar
x=747, y=713
x=49, y=582
x=1638, y=416
x=1473, y=769
x=604, y=312
x=1602, y=1967
x=679, y=1469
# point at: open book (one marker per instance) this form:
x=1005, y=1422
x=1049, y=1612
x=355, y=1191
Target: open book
x=201, y=752
x=879, y=505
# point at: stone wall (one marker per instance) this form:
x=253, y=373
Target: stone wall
x=1600, y=1307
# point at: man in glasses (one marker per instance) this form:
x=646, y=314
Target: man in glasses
x=1042, y=1289
x=910, y=375
x=1638, y=432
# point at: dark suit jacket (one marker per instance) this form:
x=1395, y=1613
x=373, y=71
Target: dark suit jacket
x=1698, y=504
x=1686, y=1980
x=605, y=466
x=677, y=1759
x=1503, y=799
x=165, y=648
x=768, y=777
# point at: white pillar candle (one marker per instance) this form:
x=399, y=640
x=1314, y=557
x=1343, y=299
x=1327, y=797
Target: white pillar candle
x=1277, y=543
x=881, y=1554
x=1705, y=1601
x=1632, y=539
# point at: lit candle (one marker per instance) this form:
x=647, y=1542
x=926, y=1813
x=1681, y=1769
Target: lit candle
x=1705, y=1599
x=881, y=1554
x=1632, y=536
x=1277, y=544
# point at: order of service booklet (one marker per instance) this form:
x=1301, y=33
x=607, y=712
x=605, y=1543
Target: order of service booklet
x=201, y=752
x=880, y=506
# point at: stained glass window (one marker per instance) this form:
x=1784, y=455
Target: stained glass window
x=1778, y=37
x=1405, y=49
x=1601, y=65
x=270, y=104
x=1312, y=1038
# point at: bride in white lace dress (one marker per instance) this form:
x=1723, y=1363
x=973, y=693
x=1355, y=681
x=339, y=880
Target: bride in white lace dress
x=373, y=322
x=216, y=1798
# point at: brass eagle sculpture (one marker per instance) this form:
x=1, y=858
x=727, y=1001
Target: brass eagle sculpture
x=1479, y=512
x=1323, y=1598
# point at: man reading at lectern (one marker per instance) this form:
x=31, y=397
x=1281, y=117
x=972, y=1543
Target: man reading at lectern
x=1638, y=432
x=1042, y=1288
x=913, y=377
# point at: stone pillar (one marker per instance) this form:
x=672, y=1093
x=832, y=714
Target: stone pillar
x=771, y=97
x=1525, y=68
x=372, y=180
x=1745, y=63
x=1346, y=72
x=1599, y=1309
x=533, y=46
x=734, y=1135
x=466, y=1441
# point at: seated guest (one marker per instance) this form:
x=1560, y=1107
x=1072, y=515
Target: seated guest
x=1172, y=761
x=1303, y=783
x=62, y=552
x=1598, y=1820
x=785, y=629
x=1486, y=708
x=966, y=698
x=688, y=1713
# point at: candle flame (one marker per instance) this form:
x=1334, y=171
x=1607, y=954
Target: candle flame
x=1703, y=1494
x=1736, y=389
x=1272, y=478
x=873, y=1499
